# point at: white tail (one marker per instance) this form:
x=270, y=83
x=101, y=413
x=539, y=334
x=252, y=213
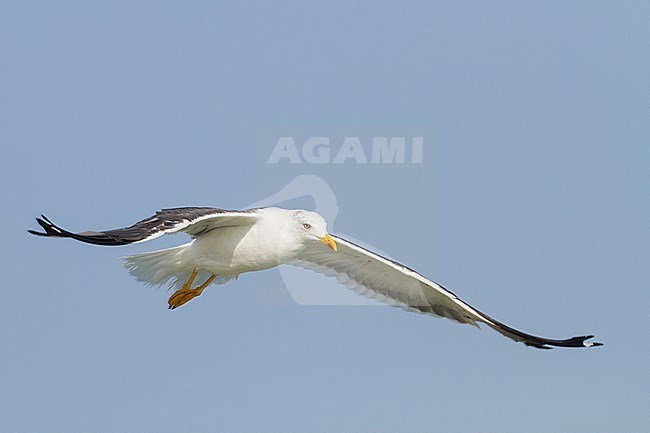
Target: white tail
x=159, y=267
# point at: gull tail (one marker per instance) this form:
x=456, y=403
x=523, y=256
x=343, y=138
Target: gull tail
x=160, y=267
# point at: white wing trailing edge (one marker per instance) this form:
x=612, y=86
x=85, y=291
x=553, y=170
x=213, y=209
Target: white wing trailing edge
x=191, y=220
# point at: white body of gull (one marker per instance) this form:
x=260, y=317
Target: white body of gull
x=228, y=243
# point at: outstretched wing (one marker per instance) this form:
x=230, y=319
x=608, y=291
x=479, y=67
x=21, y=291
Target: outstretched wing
x=192, y=220
x=387, y=281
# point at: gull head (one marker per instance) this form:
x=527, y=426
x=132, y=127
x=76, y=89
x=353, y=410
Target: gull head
x=312, y=227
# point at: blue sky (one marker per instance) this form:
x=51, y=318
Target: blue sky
x=531, y=203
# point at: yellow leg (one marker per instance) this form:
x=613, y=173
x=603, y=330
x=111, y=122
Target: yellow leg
x=190, y=280
x=185, y=293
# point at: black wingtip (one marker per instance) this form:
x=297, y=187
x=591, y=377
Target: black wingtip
x=535, y=341
x=589, y=343
x=580, y=341
x=51, y=230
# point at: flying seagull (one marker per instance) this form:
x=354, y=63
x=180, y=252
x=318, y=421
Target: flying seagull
x=227, y=243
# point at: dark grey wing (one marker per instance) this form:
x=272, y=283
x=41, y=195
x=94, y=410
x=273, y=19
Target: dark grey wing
x=385, y=280
x=192, y=220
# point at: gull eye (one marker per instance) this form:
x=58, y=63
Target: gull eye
x=307, y=226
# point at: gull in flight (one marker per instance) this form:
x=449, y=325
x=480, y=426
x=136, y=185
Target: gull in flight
x=227, y=243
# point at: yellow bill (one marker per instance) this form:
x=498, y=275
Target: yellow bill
x=329, y=241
